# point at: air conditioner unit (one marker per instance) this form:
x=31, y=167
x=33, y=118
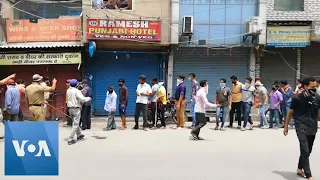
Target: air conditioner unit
x=187, y=25
x=254, y=25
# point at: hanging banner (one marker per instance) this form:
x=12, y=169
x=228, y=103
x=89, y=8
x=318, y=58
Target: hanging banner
x=288, y=36
x=92, y=48
x=40, y=58
x=142, y=30
x=44, y=30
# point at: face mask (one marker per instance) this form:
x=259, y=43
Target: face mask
x=234, y=82
x=189, y=79
x=273, y=88
x=120, y=84
x=206, y=89
x=246, y=84
x=160, y=83
x=110, y=91
x=67, y=84
x=222, y=85
x=179, y=81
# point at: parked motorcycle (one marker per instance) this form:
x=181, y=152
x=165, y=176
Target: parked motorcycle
x=169, y=112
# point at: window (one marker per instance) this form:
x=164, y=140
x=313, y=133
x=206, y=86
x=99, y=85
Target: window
x=289, y=5
x=112, y=4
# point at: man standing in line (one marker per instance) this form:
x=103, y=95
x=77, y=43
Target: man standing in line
x=2, y=82
x=143, y=92
x=194, y=88
x=162, y=102
x=286, y=91
x=180, y=97
x=154, y=100
x=200, y=109
x=35, y=97
x=74, y=102
x=123, y=102
x=262, y=105
x=12, y=101
x=22, y=89
x=248, y=92
x=86, y=109
x=223, y=97
x=110, y=106
x=304, y=109
x=275, y=100
x=318, y=86
x=236, y=101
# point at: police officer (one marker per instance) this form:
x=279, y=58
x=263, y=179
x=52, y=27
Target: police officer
x=86, y=109
x=35, y=99
x=74, y=102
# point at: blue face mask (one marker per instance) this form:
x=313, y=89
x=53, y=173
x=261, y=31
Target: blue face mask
x=222, y=85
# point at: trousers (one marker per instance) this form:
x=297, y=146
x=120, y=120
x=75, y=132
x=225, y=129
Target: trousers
x=144, y=108
x=221, y=114
x=111, y=123
x=86, y=117
x=200, y=123
x=154, y=113
x=37, y=113
x=235, y=106
x=180, y=114
x=306, y=144
x=75, y=114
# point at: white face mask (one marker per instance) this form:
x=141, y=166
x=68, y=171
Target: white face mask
x=246, y=85
x=206, y=89
x=160, y=84
x=179, y=81
x=189, y=79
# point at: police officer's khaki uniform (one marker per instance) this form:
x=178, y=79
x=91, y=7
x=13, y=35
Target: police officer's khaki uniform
x=35, y=98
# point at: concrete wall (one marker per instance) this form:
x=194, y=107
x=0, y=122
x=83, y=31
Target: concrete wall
x=142, y=9
x=7, y=13
x=311, y=12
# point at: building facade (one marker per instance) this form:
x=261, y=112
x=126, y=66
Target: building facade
x=215, y=48
x=292, y=34
x=128, y=42
x=41, y=38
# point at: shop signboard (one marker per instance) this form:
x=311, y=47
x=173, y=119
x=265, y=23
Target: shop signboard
x=40, y=58
x=137, y=30
x=288, y=36
x=43, y=30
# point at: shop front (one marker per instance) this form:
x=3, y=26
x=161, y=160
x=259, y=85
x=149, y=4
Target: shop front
x=211, y=65
x=124, y=49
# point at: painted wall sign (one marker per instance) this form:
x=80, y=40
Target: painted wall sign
x=40, y=58
x=143, y=30
x=288, y=36
x=44, y=30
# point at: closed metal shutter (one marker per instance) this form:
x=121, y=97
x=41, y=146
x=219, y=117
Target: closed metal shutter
x=107, y=68
x=274, y=68
x=210, y=65
x=310, y=65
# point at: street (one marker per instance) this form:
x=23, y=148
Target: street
x=171, y=155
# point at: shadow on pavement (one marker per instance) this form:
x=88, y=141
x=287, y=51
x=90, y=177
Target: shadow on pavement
x=287, y=175
x=100, y=137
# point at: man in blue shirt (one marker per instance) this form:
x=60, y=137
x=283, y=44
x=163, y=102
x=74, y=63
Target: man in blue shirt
x=12, y=101
x=286, y=91
x=86, y=108
x=180, y=97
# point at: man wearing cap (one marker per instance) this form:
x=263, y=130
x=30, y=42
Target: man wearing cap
x=86, y=109
x=263, y=101
x=74, y=102
x=2, y=82
x=35, y=97
x=12, y=100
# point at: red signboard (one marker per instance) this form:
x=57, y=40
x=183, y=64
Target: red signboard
x=143, y=30
x=44, y=30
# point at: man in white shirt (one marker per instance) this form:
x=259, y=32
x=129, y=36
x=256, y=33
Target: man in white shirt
x=248, y=92
x=110, y=106
x=154, y=99
x=200, y=109
x=75, y=99
x=143, y=92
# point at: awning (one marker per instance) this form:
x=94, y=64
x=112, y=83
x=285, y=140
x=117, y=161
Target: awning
x=41, y=45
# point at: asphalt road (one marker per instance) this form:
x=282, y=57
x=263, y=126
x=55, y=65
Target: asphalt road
x=171, y=155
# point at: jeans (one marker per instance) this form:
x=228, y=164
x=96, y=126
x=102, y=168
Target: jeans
x=306, y=144
x=200, y=123
x=235, y=106
x=193, y=103
x=274, y=113
x=246, y=110
x=263, y=119
x=225, y=111
x=284, y=110
x=144, y=108
x=161, y=108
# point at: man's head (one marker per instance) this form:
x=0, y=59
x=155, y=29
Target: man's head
x=309, y=83
x=20, y=81
x=181, y=78
x=11, y=82
x=142, y=79
x=284, y=83
x=46, y=79
x=73, y=83
x=161, y=83
x=258, y=84
x=234, y=79
x=248, y=80
x=121, y=82
x=37, y=78
x=154, y=80
x=275, y=87
x=84, y=82
x=192, y=76
x=223, y=83
x=110, y=89
x=203, y=83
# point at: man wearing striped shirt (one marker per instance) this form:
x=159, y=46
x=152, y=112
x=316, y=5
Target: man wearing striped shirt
x=200, y=109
